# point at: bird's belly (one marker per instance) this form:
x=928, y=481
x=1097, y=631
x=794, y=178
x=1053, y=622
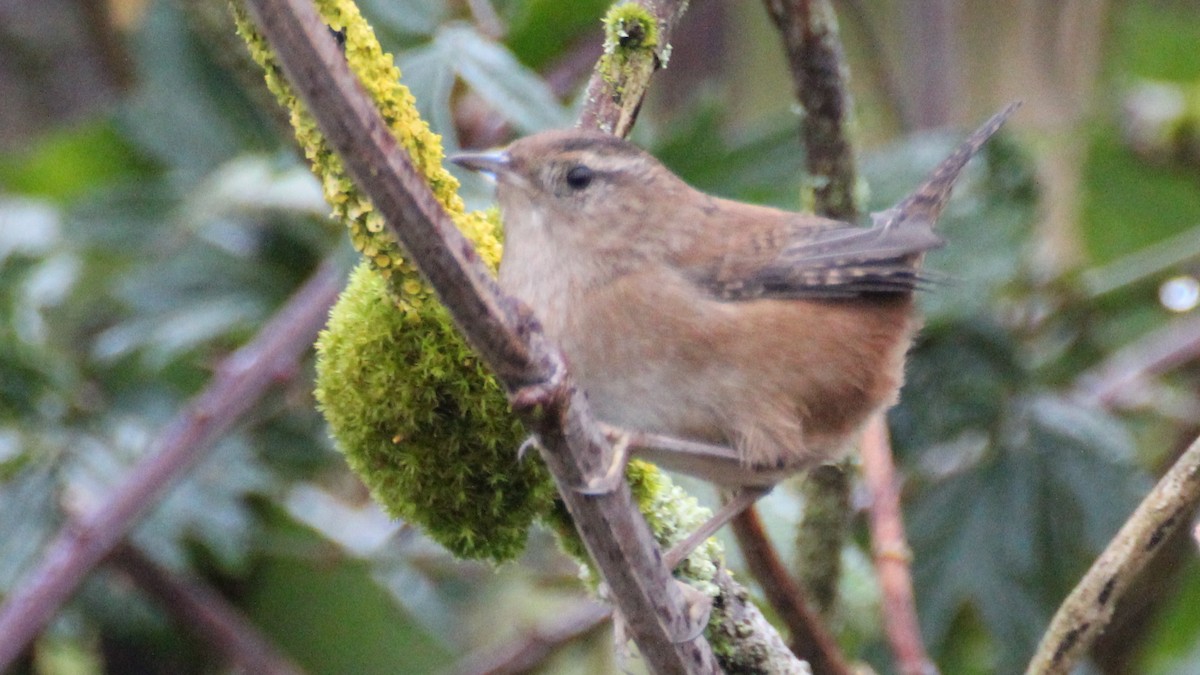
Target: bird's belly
x=786, y=383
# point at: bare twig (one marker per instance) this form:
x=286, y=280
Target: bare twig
x=891, y=553
x=240, y=380
x=204, y=612
x=503, y=333
x=535, y=646
x=810, y=640
x=1087, y=610
x=1123, y=376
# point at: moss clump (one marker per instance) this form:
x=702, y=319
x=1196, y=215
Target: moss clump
x=418, y=418
x=629, y=26
x=424, y=425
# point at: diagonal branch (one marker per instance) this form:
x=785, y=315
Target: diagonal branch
x=811, y=641
x=1088, y=609
x=198, y=608
x=504, y=334
x=637, y=45
x=240, y=381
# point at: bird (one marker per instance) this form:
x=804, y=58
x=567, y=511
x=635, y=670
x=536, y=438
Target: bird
x=735, y=342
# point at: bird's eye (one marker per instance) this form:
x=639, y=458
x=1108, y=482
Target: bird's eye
x=579, y=177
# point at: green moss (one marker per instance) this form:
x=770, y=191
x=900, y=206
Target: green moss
x=417, y=416
x=629, y=26
x=631, y=53
x=424, y=425
x=672, y=515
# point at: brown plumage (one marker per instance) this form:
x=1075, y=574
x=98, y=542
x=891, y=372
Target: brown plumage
x=775, y=333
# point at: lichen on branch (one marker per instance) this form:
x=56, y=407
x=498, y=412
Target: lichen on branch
x=415, y=413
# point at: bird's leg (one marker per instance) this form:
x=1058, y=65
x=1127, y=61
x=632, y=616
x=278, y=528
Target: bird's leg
x=691, y=457
x=741, y=500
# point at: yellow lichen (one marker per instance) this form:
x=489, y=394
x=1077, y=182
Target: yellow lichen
x=391, y=365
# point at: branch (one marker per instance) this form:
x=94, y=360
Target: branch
x=240, y=381
x=1087, y=610
x=505, y=335
x=637, y=43
x=1122, y=377
x=891, y=552
x=810, y=37
x=810, y=640
x=211, y=617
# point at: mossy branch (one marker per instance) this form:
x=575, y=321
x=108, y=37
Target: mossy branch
x=502, y=332
x=637, y=42
x=410, y=405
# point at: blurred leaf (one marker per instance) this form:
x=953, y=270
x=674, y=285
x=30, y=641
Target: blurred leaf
x=1173, y=649
x=540, y=30
x=1128, y=204
x=1007, y=538
x=429, y=71
x=937, y=413
x=70, y=162
x=1158, y=40
x=211, y=506
x=28, y=510
x=405, y=17
x=513, y=91
x=183, y=110
x=761, y=165
x=330, y=617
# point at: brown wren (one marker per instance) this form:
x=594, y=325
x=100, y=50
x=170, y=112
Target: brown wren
x=734, y=342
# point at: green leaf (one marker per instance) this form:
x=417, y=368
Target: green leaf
x=513, y=90
x=405, y=17
x=1008, y=537
x=70, y=162
x=429, y=73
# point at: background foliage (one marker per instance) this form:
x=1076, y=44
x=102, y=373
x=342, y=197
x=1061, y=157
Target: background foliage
x=150, y=228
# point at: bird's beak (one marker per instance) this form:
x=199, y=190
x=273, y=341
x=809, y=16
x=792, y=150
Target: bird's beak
x=491, y=164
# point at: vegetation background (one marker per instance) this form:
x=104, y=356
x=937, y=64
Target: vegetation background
x=153, y=213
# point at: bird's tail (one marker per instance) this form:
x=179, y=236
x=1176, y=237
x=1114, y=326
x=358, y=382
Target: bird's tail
x=925, y=203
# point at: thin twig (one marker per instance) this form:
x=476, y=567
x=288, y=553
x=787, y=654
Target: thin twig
x=198, y=608
x=1087, y=610
x=240, y=381
x=810, y=640
x=1122, y=376
x=504, y=334
x=891, y=553
x=533, y=647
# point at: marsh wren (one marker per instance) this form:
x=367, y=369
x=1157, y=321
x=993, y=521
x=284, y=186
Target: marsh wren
x=734, y=342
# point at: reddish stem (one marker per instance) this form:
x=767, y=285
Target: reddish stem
x=891, y=553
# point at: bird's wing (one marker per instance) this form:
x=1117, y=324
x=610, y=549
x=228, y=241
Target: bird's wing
x=804, y=257
x=778, y=255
